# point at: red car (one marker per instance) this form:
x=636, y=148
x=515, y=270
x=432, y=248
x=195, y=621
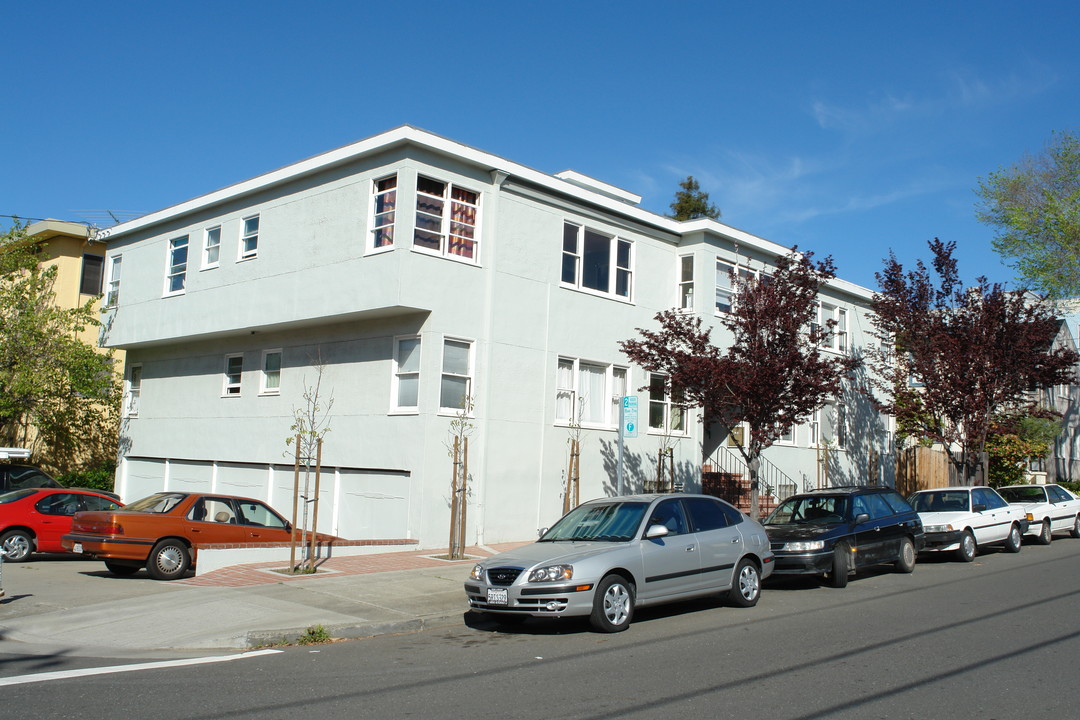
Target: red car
x=33, y=519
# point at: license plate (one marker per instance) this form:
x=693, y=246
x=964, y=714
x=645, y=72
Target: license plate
x=498, y=596
x=76, y=548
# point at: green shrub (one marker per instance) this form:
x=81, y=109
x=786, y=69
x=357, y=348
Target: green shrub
x=100, y=478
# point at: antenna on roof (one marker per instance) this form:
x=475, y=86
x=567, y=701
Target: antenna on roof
x=115, y=219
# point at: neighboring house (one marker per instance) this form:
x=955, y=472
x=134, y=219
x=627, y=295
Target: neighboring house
x=1064, y=461
x=420, y=271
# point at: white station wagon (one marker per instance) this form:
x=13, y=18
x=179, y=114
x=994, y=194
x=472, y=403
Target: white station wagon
x=1052, y=509
x=963, y=519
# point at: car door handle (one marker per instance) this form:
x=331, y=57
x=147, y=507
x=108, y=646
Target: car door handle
x=691, y=549
x=736, y=540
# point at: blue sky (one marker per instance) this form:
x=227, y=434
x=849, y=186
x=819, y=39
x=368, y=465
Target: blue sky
x=846, y=128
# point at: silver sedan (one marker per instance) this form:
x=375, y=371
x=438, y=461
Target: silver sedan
x=608, y=557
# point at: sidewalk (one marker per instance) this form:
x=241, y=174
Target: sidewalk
x=237, y=607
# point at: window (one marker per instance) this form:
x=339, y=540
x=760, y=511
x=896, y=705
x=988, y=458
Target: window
x=112, y=289
x=833, y=424
x=234, y=370
x=737, y=436
x=134, y=390
x=211, y=247
x=90, y=282
x=589, y=394
x=787, y=436
x=726, y=289
x=385, y=204
x=270, y=384
x=177, y=269
x=249, y=241
x=686, y=282
x=667, y=411
x=838, y=339
x=708, y=514
x=456, y=386
x=450, y=234
x=597, y=262
x=406, y=381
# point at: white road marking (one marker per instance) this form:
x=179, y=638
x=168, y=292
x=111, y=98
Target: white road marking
x=85, y=672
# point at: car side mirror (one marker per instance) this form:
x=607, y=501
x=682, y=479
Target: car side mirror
x=861, y=518
x=541, y=531
x=978, y=507
x=656, y=531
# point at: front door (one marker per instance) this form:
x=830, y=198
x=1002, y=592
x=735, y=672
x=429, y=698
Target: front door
x=671, y=562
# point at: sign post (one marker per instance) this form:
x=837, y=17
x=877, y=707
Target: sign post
x=628, y=420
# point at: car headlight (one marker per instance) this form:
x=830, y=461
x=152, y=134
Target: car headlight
x=804, y=545
x=938, y=528
x=477, y=572
x=551, y=573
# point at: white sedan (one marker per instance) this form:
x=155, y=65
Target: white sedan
x=963, y=519
x=1052, y=509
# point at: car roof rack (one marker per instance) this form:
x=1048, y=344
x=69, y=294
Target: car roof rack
x=10, y=453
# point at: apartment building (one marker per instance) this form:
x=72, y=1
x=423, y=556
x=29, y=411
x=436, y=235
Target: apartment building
x=426, y=278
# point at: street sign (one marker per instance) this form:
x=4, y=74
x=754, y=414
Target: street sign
x=629, y=416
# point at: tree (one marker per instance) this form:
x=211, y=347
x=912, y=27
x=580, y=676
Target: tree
x=691, y=203
x=950, y=358
x=771, y=376
x=59, y=396
x=1035, y=207
x=1013, y=441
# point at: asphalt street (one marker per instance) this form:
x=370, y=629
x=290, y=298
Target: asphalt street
x=997, y=638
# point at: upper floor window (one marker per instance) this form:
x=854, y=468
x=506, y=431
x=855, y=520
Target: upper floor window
x=726, y=286
x=406, y=381
x=234, y=372
x=589, y=394
x=176, y=273
x=112, y=289
x=249, y=241
x=832, y=421
x=667, y=407
x=446, y=219
x=455, y=388
x=385, y=206
x=134, y=391
x=598, y=262
x=838, y=339
x=211, y=247
x=270, y=382
x=686, y=282
x=92, y=267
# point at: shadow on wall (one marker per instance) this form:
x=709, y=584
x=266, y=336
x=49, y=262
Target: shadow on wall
x=863, y=460
x=639, y=471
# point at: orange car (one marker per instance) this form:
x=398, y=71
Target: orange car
x=161, y=532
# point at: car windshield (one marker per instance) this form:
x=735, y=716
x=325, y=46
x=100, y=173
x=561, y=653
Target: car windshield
x=604, y=522
x=156, y=503
x=11, y=497
x=813, y=509
x=1022, y=494
x=940, y=501
x=28, y=477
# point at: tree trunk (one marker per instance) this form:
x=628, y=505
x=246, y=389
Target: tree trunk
x=753, y=462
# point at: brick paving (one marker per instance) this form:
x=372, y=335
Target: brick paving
x=263, y=573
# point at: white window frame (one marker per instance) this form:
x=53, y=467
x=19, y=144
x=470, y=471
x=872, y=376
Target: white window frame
x=685, y=280
x=788, y=437
x=726, y=285
x=839, y=339
x=399, y=373
x=444, y=374
x=208, y=247
x=232, y=389
x=571, y=397
x=174, y=269
x=451, y=224
x=667, y=405
x=265, y=374
x=112, y=282
x=246, y=236
x=133, y=390
x=386, y=214
x=574, y=256
x=838, y=423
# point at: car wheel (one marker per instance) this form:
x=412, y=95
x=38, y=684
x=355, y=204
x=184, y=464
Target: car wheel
x=120, y=569
x=1012, y=542
x=746, y=589
x=17, y=545
x=168, y=560
x=905, y=563
x=967, y=550
x=1045, y=535
x=841, y=565
x=1075, y=531
x=613, y=605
